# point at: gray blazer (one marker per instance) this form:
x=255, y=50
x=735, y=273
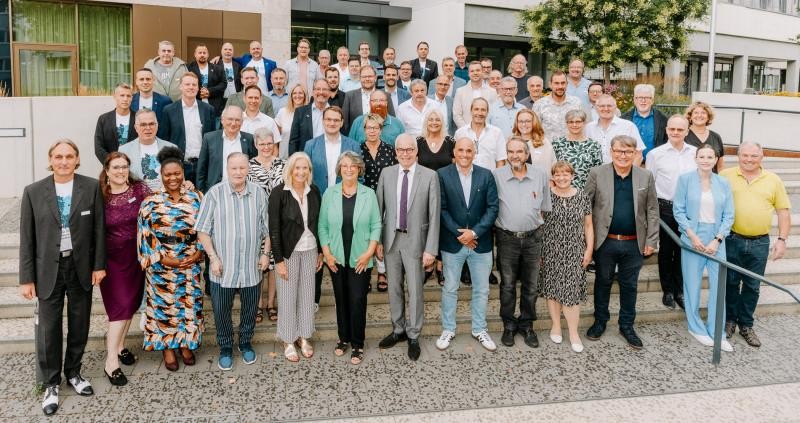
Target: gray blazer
x=423, y=209
x=134, y=153
x=600, y=190
x=40, y=233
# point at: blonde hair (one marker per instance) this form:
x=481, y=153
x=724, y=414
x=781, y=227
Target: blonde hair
x=425, y=132
x=537, y=132
x=703, y=105
x=292, y=162
x=562, y=165
x=290, y=104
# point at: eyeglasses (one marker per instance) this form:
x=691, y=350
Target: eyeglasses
x=147, y=124
x=332, y=120
x=623, y=152
x=373, y=128
x=642, y=98
x=265, y=145
x=405, y=150
x=574, y=122
x=123, y=167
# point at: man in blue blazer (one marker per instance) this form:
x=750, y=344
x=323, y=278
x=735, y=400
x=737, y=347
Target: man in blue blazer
x=189, y=113
x=256, y=60
x=146, y=97
x=469, y=208
x=217, y=145
x=324, y=172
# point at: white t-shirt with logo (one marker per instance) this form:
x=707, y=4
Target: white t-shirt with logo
x=204, y=79
x=145, y=103
x=64, y=200
x=262, y=77
x=123, y=126
x=151, y=168
x=230, y=77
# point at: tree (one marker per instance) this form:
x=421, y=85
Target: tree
x=610, y=33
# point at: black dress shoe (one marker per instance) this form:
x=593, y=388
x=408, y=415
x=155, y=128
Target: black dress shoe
x=630, y=335
x=413, y=349
x=590, y=268
x=493, y=279
x=596, y=330
x=126, y=357
x=117, y=378
x=529, y=336
x=428, y=275
x=508, y=337
x=668, y=300
x=679, y=301
x=466, y=278
x=391, y=340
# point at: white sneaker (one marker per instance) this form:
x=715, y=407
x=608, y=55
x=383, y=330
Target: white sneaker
x=444, y=341
x=82, y=386
x=50, y=401
x=485, y=340
x=577, y=347
x=726, y=346
x=703, y=339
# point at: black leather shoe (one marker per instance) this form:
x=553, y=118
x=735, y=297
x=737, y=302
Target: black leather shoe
x=529, y=336
x=413, y=349
x=466, y=278
x=493, y=279
x=679, y=301
x=117, y=378
x=596, y=330
x=126, y=357
x=508, y=337
x=391, y=340
x=633, y=339
x=668, y=300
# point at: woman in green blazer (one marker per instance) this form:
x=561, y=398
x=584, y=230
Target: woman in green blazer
x=349, y=230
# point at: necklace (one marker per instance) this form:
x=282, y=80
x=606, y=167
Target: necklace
x=349, y=194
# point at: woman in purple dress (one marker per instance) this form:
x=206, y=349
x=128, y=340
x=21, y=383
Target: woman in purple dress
x=123, y=286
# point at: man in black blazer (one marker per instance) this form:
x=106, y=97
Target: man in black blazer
x=211, y=167
x=212, y=79
x=115, y=127
x=423, y=68
x=62, y=253
x=185, y=122
x=354, y=100
x=303, y=128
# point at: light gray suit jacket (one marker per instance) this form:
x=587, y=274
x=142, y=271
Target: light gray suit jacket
x=134, y=153
x=600, y=190
x=423, y=209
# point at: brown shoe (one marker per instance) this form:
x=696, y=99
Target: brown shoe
x=730, y=328
x=750, y=337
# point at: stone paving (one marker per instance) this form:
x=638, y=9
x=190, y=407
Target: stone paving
x=464, y=383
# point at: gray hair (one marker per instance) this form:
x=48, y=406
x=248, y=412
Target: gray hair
x=166, y=43
x=519, y=139
x=262, y=133
x=575, y=113
x=624, y=140
x=534, y=78
x=418, y=82
x=436, y=112
x=509, y=79
x=644, y=89
x=236, y=155
x=355, y=158
x=750, y=144
x=232, y=109
x=144, y=111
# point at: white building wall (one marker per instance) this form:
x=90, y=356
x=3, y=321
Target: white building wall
x=440, y=23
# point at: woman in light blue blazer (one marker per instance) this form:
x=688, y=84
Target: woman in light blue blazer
x=349, y=230
x=703, y=208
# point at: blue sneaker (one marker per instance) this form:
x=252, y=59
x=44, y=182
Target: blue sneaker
x=248, y=355
x=225, y=361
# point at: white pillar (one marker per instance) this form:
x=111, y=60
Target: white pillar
x=672, y=78
x=792, y=75
x=276, y=29
x=740, y=66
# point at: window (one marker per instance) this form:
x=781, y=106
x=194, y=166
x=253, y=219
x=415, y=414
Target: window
x=5, y=52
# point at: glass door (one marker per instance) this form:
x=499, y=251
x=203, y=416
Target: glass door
x=45, y=70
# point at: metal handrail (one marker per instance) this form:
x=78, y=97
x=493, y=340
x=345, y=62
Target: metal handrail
x=722, y=281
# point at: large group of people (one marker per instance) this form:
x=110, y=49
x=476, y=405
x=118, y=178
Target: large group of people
x=235, y=175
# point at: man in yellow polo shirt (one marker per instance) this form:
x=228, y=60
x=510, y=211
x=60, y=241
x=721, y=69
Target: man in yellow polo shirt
x=756, y=193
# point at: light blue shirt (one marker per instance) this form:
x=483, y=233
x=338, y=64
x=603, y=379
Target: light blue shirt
x=466, y=182
x=316, y=120
x=581, y=90
x=503, y=117
x=278, y=101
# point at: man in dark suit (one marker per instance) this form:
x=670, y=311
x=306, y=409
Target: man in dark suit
x=625, y=217
x=469, y=209
x=59, y=215
x=212, y=79
x=217, y=145
x=115, y=128
x=423, y=68
x=145, y=97
x=232, y=70
x=355, y=100
x=336, y=95
x=652, y=124
x=307, y=122
x=185, y=122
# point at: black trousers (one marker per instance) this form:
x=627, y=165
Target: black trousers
x=49, y=333
x=519, y=259
x=669, y=253
x=350, y=290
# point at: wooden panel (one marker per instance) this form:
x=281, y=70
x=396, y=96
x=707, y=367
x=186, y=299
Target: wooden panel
x=201, y=26
x=152, y=24
x=239, y=28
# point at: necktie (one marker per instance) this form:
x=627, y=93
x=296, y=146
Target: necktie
x=404, y=201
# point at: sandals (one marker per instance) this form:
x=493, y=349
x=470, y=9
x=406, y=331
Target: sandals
x=357, y=356
x=290, y=353
x=272, y=314
x=440, y=277
x=259, y=316
x=341, y=348
x=305, y=347
x=382, y=285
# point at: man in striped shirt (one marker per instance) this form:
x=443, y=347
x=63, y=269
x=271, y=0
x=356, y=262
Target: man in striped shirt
x=232, y=226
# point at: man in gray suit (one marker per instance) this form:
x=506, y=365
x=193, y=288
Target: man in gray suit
x=410, y=239
x=59, y=215
x=143, y=151
x=625, y=217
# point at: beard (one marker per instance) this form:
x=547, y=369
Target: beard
x=380, y=110
x=517, y=165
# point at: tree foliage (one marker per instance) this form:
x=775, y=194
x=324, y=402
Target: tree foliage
x=610, y=33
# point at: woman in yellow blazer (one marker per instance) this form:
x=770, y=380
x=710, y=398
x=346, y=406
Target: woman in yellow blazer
x=349, y=230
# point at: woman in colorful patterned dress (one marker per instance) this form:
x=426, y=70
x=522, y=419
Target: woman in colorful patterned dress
x=124, y=284
x=577, y=149
x=171, y=256
x=266, y=171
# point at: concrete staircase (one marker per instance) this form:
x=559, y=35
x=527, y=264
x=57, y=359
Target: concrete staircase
x=17, y=321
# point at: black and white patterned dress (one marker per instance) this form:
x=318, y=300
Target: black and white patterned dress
x=563, y=278
x=267, y=179
x=582, y=155
x=384, y=157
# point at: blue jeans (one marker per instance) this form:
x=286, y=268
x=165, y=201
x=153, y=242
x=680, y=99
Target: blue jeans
x=625, y=256
x=480, y=264
x=692, y=266
x=741, y=299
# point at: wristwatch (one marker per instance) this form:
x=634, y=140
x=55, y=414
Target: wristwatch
x=718, y=239
x=780, y=238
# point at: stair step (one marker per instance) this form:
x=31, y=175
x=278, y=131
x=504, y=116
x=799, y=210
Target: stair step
x=19, y=331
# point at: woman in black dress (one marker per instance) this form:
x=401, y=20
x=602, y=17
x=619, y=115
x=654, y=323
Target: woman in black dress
x=700, y=116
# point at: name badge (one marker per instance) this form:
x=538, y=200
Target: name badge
x=66, y=240
x=132, y=200
x=86, y=212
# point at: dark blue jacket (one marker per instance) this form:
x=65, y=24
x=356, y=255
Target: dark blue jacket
x=269, y=65
x=479, y=215
x=171, y=127
x=159, y=102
